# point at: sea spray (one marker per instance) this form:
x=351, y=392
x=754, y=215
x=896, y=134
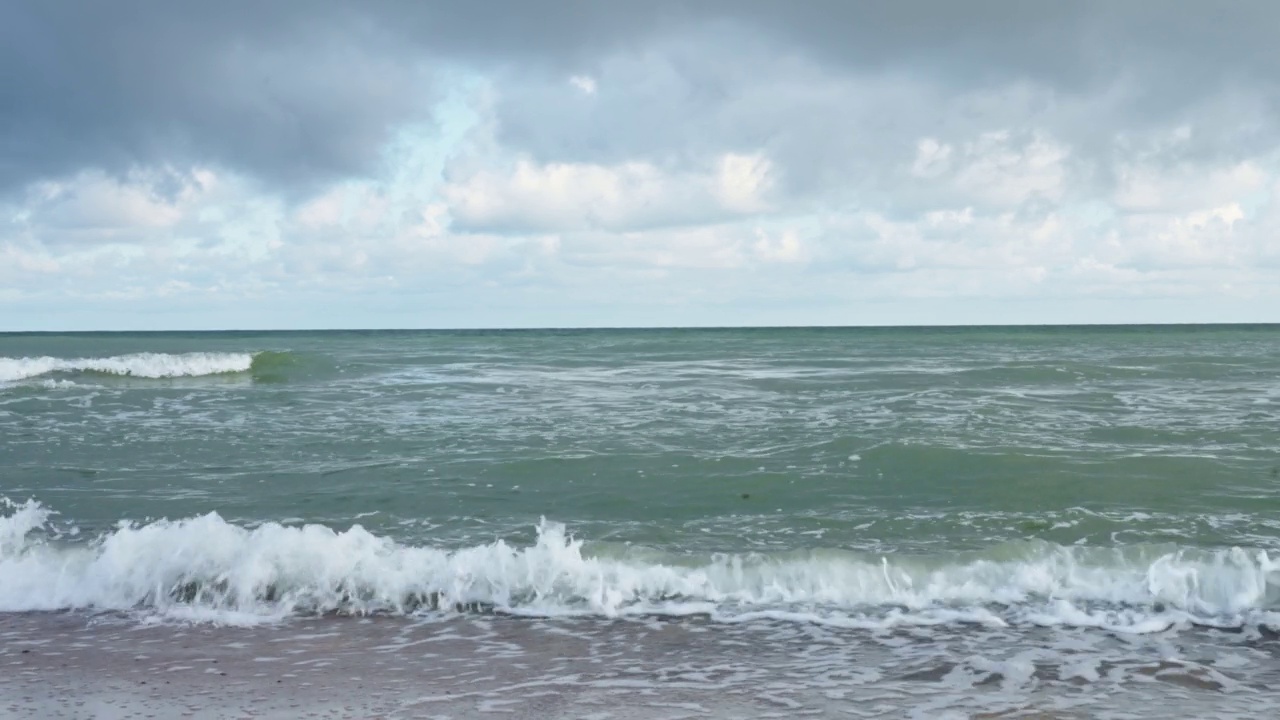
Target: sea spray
x=209, y=568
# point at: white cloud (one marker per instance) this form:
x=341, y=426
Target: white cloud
x=1000, y=170
x=94, y=207
x=568, y=197
x=584, y=83
x=707, y=247
x=932, y=158
x=1155, y=187
x=16, y=261
x=742, y=181
x=782, y=247
x=996, y=168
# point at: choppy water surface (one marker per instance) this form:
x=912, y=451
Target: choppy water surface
x=973, y=483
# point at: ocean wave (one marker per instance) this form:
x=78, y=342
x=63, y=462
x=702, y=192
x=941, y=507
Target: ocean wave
x=204, y=568
x=140, y=365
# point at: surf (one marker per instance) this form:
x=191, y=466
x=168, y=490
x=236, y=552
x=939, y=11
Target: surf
x=205, y=568
x=137, y=365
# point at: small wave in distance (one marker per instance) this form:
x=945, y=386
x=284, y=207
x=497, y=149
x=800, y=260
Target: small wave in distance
x=137, y=365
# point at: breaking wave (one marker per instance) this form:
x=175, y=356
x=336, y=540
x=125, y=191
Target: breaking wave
x=139, y=365
x=206, y=569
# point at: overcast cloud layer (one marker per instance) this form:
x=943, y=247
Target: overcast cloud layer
x=385, y=164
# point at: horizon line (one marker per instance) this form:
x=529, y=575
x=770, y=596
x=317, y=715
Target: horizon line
x=564, y=328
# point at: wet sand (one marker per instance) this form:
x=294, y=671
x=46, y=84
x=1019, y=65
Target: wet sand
x=75, y=666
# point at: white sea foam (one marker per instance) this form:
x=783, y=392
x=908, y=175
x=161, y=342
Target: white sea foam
x=204, y=568
x=144, y=365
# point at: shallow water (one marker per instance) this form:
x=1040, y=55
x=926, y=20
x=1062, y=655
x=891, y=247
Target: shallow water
x=470, y=666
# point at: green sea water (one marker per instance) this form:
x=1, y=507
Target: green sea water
x=816, y=459
x=680, y=439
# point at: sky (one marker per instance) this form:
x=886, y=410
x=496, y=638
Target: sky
x=523, y=163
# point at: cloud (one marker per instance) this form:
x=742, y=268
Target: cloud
x=567, y=197
x=1146, y=187
x=92, y=207
x=995, y=168
x=299, y=92
x=584, y=83
x=532, y=157
x=283, y=93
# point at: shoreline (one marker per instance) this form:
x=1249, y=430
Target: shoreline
x=72, y=665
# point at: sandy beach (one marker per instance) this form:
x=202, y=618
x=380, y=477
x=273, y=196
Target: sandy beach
x=72, y=666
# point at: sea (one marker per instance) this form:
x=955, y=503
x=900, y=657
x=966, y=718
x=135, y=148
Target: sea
x=950, y=522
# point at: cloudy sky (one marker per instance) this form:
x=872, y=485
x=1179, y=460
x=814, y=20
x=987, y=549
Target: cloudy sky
x=721, y=162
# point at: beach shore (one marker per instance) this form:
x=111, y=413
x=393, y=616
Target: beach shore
x=67, y=665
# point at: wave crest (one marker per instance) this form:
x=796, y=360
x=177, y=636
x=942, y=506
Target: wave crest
x=141, y=365
x=206, y=568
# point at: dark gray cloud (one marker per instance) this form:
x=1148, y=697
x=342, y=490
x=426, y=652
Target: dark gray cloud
x=301, y=92
x=268, y=89
x=836, y=90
